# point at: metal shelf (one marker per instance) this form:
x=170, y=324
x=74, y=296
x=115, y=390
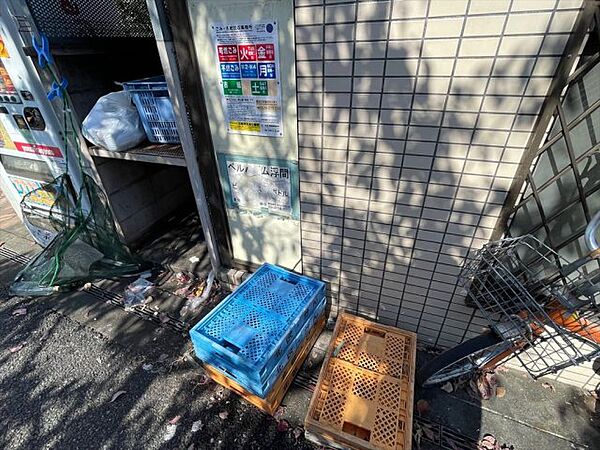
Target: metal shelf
x=168, y=154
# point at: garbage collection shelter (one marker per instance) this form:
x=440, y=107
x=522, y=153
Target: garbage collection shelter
x=370, y=144
x=418, y=131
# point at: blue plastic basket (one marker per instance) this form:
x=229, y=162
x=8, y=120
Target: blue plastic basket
x=271, y=377
x=151, y=98
x=249, y=332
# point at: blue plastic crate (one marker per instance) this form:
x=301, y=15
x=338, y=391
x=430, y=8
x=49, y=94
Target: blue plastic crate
x=254, y=327
x=151, y=98
x=264, y=389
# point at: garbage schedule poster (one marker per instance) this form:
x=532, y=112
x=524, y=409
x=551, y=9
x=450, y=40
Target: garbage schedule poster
x=247, y=56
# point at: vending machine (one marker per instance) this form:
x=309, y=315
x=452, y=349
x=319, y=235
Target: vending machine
x=32, y=152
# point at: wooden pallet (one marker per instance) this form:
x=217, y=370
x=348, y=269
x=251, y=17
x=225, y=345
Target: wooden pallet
x=364, y=396
x=275, y=396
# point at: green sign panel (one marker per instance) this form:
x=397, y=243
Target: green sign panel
x=259, y=88
x=232, y=87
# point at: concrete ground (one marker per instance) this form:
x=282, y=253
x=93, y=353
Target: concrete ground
x=78, y=372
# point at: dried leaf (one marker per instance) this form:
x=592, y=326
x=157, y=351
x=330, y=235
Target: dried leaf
x=500, y=392
x=182, y=291
x=183, y=278
x=175, y=420
x=204, y=379
x=283, y=426
x=473, y=390
x=196, y=426
x=19, y=312
x=447, y=387
x=279, y=413
x=298, y=432
x=501, y=369
x=486, y=385
x=223, y=415
x=547, y=385
x=488, y=442
x=116, y=395
x=423, y=407
x=17, y=347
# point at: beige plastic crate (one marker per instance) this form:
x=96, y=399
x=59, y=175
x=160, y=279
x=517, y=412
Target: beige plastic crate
x=365, y=392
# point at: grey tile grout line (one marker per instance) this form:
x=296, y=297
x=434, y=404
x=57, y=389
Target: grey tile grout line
x=432, y=58
x=475, y=77
x=429, y=175
x=337, y=307
x=441, y=17
x=369, y=205
x=469, y=322
x=374, y=164
x=549, y=218
x=348, y=139
x=474, y=313
x=423, y=126
x=389, y=237
x=413, y=153
x=300, y=202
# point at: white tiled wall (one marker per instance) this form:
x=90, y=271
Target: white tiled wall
x=413, y=117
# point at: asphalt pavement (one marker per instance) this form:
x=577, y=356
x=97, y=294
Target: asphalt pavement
x=76, y=372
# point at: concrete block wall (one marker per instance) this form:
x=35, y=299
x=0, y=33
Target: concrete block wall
x=142, y=193
x=413, y=117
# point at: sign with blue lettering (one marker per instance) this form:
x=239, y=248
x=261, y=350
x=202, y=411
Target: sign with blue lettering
x=249, y=70
x=266, y=70
x=247, y=60
x=230, y=71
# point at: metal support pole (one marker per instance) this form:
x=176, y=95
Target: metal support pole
x=166, y=51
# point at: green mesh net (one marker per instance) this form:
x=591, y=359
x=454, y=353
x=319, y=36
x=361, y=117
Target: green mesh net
x=83, y=242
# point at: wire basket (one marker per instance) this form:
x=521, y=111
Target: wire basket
x=533, y=298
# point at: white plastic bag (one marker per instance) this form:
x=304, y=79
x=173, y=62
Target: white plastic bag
x=114, y=123
x=137, y=292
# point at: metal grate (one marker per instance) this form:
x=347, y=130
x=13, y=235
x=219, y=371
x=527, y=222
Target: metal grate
x=143, y=311
x=68, y=19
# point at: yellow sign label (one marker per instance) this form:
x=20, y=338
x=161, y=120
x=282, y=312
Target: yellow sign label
x=3, y=49
x=40, y=194
x=244, y=126
x=5, y=140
